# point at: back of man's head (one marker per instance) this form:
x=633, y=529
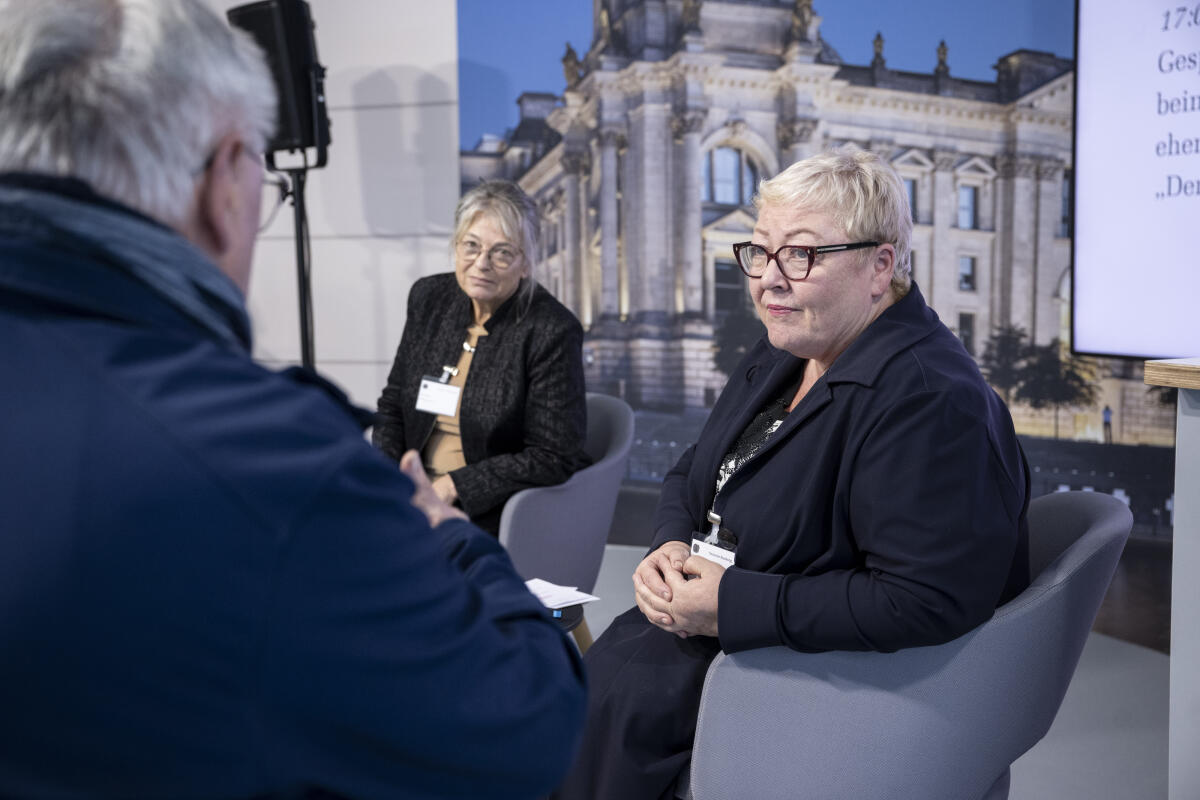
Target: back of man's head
x=129, y=96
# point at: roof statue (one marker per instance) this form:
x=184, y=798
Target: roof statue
x=802, y=14
x=571, y=66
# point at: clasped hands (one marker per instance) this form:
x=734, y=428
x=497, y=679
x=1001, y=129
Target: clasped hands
x=669, y=599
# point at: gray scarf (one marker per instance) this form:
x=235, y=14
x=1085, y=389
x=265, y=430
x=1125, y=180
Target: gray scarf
x=155, y=255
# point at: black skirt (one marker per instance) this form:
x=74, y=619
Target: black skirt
x=644, y=688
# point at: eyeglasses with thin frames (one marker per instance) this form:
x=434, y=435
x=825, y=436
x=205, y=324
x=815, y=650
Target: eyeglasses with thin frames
x=795, y=261
x=276, y=190
x=275, y=185
x=501, y=257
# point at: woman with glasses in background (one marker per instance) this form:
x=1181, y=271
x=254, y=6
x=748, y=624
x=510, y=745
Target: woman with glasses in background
x=487, y=384
x=857, y=486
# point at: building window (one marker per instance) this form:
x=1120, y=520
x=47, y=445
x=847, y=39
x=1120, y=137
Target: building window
x=910, y=188
x=968, y=197
x=1064, y=225
x=727, y=177
x=966, y=331
x=966, y=273
x=729, y=288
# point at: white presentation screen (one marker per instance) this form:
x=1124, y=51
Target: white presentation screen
x=1137, y=179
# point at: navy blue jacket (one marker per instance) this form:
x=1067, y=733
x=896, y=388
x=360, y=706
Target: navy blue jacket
x=887, y=511
x=212, y=586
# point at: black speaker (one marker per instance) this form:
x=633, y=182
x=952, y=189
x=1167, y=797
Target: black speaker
x=285, y=31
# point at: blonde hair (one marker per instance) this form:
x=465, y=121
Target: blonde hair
x=862, y=193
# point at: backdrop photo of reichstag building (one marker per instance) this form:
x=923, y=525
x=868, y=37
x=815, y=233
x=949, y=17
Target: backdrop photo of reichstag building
x=645, y=164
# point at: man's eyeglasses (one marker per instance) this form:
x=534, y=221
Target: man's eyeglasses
x=276, y=190
x=275, y=186
x=502, y=256
x=795, y=261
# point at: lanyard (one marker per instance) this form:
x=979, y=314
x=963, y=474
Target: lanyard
x=452, y=372
x=715, y=521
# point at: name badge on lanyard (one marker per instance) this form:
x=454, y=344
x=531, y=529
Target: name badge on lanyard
x=437, y=396
x=718, y=546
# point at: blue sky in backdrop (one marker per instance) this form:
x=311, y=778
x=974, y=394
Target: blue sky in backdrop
x=506, y=47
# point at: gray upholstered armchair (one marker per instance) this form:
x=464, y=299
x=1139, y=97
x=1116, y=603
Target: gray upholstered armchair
x=935, y=723
x=558, y=533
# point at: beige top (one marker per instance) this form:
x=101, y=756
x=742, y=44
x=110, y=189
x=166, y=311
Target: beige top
x=443, y=452
x=1183, y=373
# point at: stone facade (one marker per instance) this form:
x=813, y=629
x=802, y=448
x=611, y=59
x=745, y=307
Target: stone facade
x=645, y=166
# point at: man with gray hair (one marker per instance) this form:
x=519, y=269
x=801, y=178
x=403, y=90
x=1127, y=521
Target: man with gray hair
x=210, y=584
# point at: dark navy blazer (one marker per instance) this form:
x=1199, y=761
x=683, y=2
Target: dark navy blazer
x=888, y=510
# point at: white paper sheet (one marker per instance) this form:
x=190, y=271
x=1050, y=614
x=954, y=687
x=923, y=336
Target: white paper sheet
x=554, y=596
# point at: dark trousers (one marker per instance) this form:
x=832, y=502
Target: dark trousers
x=644, y=689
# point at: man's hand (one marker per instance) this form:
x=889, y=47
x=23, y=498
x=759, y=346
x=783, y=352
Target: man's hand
x=425, y=497
x=446, y=490
x=650, y=587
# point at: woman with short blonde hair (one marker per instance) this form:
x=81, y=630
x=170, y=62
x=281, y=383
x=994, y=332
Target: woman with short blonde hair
x=858, y=485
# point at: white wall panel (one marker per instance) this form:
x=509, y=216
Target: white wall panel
x=391, y=52
x=389, y=174
x=380, y=213
x=362, y=286
x=272, y=301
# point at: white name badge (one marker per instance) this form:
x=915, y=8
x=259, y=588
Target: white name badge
x=436, y=397
x=713, y=553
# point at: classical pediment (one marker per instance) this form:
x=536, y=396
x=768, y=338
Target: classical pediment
x=736, y=221
x=976, y=166
x=913, y=159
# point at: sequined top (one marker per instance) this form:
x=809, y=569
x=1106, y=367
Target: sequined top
x=756, y=434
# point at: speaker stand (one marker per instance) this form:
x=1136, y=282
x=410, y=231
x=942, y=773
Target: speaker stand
x=303, y=265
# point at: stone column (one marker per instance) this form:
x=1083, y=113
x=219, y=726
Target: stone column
x=689, y=259
x=575, y=165
x=654, y=381
x=649, y=150
x=1017, y=242
x=552, y=218
x=1047, y=315
x=1002, y=301
x=606, y=365
x=610, y=140
x=627, y=228
x=943, y=265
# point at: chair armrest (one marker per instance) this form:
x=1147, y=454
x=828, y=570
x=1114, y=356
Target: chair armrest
x=930, y=722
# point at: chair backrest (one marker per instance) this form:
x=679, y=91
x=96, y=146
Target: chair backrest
x=928, y=722
x=558, y=533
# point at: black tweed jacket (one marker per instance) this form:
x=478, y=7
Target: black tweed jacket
x=523, y=414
